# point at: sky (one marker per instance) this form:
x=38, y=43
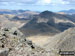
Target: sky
x=38, y=5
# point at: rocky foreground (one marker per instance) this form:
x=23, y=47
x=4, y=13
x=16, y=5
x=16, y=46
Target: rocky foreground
x=14, y=43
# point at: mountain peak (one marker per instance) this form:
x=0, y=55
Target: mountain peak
x=46, y=13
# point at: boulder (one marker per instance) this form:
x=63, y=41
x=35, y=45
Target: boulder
x=4, y=52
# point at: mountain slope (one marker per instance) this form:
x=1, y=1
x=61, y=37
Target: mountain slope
x=47, y=23
x=64, y=41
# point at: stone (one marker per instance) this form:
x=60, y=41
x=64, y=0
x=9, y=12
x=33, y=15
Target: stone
x=4, y=52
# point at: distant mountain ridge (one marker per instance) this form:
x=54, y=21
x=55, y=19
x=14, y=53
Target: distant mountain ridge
x=6, y=11
x=27, y=15
x=18, y=14
x=71, y=11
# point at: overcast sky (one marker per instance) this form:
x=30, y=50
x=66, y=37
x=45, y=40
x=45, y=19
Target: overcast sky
x=38, y=5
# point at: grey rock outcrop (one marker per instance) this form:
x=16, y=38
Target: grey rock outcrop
x=18, y=45
x=4, y=52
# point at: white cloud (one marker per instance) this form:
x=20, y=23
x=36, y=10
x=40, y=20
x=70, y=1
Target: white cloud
x=70, y=2
x=4, y=3
x=43, y=2
x=61, y=2
x=64, y=2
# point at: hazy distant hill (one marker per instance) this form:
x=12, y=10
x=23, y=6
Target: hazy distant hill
x=28, y=15
x=16, y=12
x=71, y=11
x=17, y=16
x=6, y=11
x=47, y=23
x=5, y=21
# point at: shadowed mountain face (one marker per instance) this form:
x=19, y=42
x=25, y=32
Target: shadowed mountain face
x=47, y=23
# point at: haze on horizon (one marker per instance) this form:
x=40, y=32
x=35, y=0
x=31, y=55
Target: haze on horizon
x=38, y=5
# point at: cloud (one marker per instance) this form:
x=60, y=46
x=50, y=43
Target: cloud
x=28, y=2
x=38, y=2
x=43, y=2
x=71, y=2
x=4, y=3
x=19, y=1
x=15, y=0
x=61, y=2
x=33, y=4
